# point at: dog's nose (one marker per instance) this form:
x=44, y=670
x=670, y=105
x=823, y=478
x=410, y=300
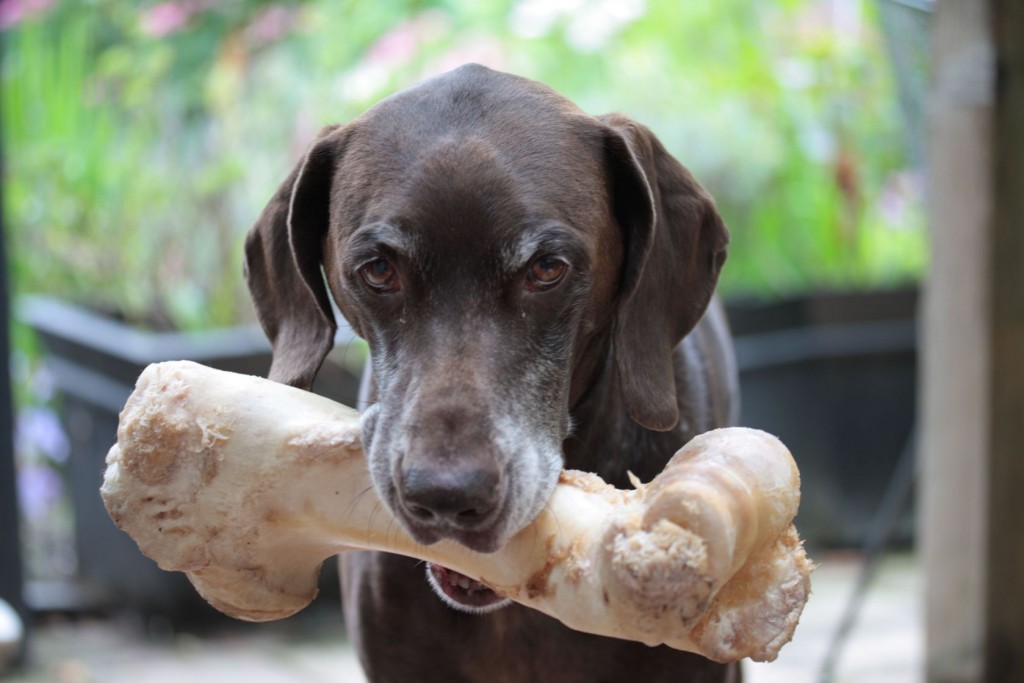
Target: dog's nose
x=458, y=494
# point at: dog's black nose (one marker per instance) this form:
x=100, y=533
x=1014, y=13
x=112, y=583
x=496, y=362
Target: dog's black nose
x=456, y=494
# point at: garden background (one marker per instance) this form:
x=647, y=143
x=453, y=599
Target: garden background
x=142, y=139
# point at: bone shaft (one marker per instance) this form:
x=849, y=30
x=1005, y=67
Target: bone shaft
x=309, y=446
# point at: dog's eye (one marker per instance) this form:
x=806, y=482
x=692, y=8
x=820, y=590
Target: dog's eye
x=546, y=271
x=380, y=274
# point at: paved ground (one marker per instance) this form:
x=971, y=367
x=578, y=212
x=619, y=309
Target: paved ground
x=886, y=646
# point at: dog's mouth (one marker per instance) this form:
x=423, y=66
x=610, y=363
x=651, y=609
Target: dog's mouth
x=461, y=592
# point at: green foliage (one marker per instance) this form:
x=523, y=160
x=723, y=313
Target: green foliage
x=142, y=139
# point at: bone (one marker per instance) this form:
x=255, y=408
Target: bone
x=247, y=486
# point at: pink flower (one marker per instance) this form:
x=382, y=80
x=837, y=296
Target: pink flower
x=401, y=44
x=397, y=46
x=271, y=24
x=480, y=49
x=13, y=11
x=166, y=18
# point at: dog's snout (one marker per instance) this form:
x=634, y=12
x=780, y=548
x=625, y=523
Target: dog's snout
x=459, y=494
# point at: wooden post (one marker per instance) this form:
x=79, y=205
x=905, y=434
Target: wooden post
x=972, y=521
x=1004, y=642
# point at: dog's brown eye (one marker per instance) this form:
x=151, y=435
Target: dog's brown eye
x=546, y=271
x=380, y=274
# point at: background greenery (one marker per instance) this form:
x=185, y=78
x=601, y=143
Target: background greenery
x=142, y=139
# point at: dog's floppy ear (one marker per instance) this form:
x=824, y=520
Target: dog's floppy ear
x=674, y=250
x=283, y=251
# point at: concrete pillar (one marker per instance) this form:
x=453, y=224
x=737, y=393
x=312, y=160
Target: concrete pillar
x=972, y=521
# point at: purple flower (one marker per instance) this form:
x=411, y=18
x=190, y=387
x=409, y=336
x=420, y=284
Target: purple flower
x=39, y=431
x=39, y=488
x=901, y=190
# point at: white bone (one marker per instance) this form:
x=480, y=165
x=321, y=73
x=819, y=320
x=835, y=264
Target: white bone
x=247, y=485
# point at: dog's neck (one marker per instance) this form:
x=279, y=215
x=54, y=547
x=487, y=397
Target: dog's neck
x=605, y=439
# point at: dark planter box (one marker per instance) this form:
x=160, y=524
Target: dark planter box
x=95, y=361
x=834, y=375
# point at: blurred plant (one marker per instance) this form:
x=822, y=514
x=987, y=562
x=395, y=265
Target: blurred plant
x=785, y=111
x=142, y=139
x=118, y=187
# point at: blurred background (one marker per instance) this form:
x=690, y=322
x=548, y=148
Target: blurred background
x=142, y=139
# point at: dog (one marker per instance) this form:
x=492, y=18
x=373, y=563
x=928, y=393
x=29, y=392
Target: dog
x=536, y=288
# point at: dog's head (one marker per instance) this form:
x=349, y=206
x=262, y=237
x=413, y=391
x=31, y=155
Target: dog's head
x=493, y=244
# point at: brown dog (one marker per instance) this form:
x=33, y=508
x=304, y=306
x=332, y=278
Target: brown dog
x=532, y=282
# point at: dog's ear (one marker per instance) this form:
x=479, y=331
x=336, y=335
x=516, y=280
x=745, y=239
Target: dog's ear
x=283, y=252
x=674, y=250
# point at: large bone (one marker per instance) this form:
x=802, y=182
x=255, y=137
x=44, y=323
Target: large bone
x=247, y=486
